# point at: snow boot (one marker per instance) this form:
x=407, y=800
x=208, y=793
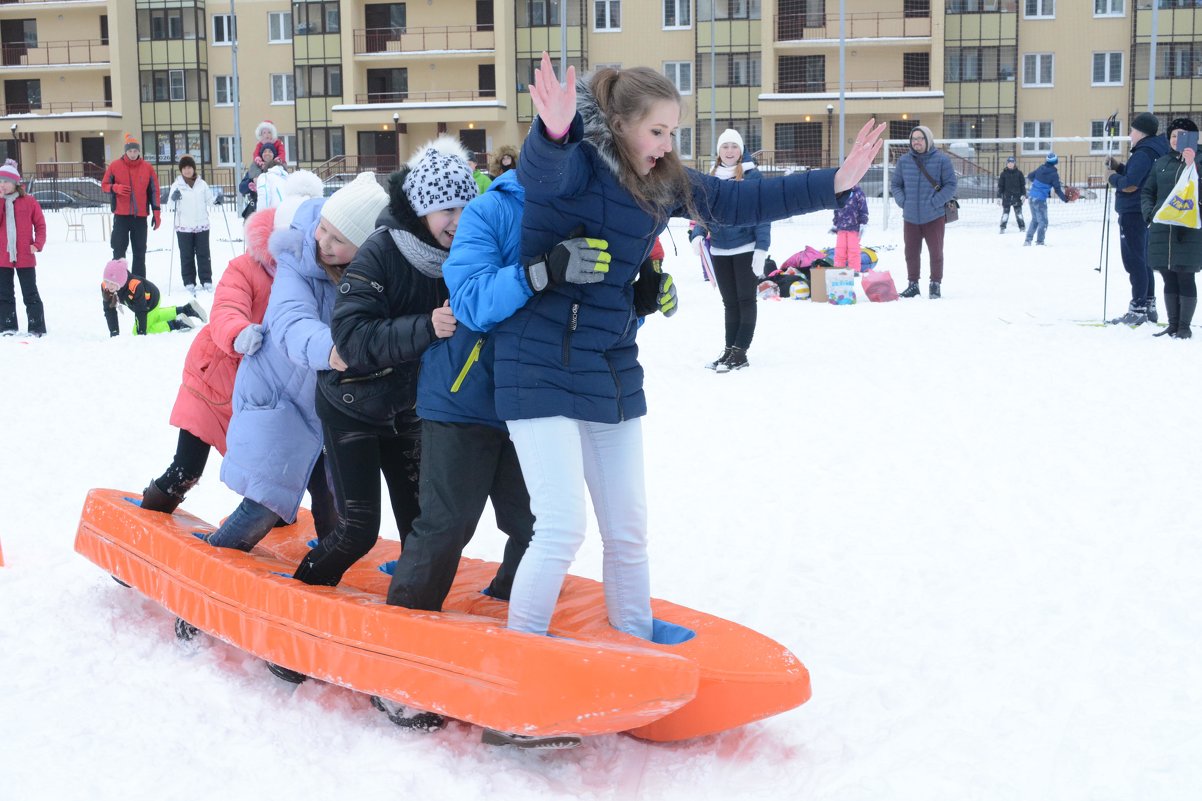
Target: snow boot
x=408, y=718
x=185, y=631
x=156, y=500
x=1170, y=309
x=290, y=676
x=720, y=360
x=1136, y=315
x=181, y=323
x=548, y=742
x=736, y=361
x=190, y=289
x=911, y=291
x=193, y=309
x=1150, y=307
x=1188, y=306
x=934, y=292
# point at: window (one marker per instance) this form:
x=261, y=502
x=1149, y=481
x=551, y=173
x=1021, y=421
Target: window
x=279, y=27
x=388, y=85
x=1039, y=8
x=801, y=142
x=225, y=29
x=1173, y=60
x=729, y=9
x=281, y=88
x=319, y=81
x=225, y=151
x=730, y=69
x=801, y=73
x=607, y=15
x=978, y=6
x=289, y=141
x=1108, y=69
x=681, y=74
x=321, y=144
x=916, y=9
x=22, y=96
x=176, y=84
x=975, y=64
x=162, y=24
x=916, y=70
x=1039, y=136
x=678, y=13
x=1037, y=69
x=165, y=147
x=223, y=94
x=158, y=86
x=1108, y=8
x=312, y=18
x=683, y=142
x=1098, y=138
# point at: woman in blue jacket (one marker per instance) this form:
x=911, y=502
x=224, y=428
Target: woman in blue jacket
x=569, y=384
x=739, y=253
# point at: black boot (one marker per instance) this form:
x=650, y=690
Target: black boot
x=911, y=291
x=1150, y=307
x=1170, y=309
x=934, y=291
x=156, y=500
x=720, y=360
x=1187, y=307
x=736, y=361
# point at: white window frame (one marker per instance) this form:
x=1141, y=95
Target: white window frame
x=1114, y=77
x=683, y=8
x=229, y=29
x=229, y=142
x=1113, y=8
x=282, y=19
x=288, y=82
x=230, y=90
x=290, y=150
x=1039, y=146
x=1045, y=9
x=681, y=152
x=1097, y=137
x=1039, y=59
x=674, y=71
x=176, y=86
x=609, y=5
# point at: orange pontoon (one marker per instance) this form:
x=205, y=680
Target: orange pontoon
x=463, y=662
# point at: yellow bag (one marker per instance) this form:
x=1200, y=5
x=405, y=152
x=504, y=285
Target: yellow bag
x=1181, y=206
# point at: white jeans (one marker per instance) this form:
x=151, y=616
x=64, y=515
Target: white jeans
x=559, y=457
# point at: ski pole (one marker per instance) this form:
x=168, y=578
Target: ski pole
x=229, y=236
x=171, y=255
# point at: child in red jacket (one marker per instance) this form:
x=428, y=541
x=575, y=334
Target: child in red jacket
x=22, y=234
x=268, y=136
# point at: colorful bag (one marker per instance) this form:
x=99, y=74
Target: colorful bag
x=802, y=258
x=1181, y=206
x=841, y=287
x=878, y=286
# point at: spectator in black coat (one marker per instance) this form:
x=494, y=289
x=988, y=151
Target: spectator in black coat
x=1012, y=189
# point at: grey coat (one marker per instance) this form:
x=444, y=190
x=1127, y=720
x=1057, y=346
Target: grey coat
x=1169, y=246
x=919, y=200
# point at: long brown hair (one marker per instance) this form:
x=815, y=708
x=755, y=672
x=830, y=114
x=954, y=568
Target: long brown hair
x=625, y=98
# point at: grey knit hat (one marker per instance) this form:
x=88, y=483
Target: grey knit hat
x=439, y=177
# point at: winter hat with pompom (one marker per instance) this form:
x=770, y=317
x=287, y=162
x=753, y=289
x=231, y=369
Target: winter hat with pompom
x=9, y=172
x=353, y=209
x=439, y=178
x=1053, y=158
x=116, y=272
x=131, y=143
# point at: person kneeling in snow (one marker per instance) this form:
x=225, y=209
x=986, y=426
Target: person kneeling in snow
x=141, y=296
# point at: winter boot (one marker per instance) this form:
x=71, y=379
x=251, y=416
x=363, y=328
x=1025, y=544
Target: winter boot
x=193, y=309
x=156, y=500
x=546, y=742
x=911, y=291
x=1188, y=307
x=180, y=323
x=408, y=718
x=290, y=676
x=1150, y=307
x=1136, y=315
x=1018, y=218
x=720, y=360
x=1170, y=309
x=736, y=361
x=933, y=292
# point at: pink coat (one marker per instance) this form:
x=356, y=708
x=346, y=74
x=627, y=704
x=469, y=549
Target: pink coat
x=31, y=230
x=202, y=406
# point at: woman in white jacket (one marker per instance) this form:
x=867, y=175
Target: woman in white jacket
x=190, y=199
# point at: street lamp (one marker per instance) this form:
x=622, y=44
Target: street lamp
x=396, y=129
x=830, y=115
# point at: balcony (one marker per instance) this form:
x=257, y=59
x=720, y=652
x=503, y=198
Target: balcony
x=63, y=107
x=852, y=87
x=877, y=25
x=448, y=38
x=452, y=96
x=55, y=54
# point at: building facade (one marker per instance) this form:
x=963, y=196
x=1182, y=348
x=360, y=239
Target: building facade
x=355, y=85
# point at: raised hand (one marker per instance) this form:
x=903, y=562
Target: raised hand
x=868, y=144
x=555, y=104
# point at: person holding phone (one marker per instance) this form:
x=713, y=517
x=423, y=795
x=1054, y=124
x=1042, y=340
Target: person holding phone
x=1174, y=250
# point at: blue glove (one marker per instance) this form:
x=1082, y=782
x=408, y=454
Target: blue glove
x=218, y=198
x=249, y=339
x=175, y=196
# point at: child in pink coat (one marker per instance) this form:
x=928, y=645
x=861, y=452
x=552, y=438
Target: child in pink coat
x=22, y=234
x=202, y=408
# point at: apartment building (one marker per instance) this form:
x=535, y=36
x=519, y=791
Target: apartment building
x=358, y=85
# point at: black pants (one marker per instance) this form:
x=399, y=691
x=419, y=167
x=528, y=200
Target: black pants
x=736, y=284
x=356, y=459
x=1013, y=202
x=130, y=231
x=194, y=256
x=463, y=465
x=29, y=293
x=1182, y=283
x=191, y=455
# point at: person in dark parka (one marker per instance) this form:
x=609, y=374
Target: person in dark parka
x=1174, y=250
x=1012, y=190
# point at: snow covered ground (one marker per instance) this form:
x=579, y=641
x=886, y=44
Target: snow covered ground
x=974, y=520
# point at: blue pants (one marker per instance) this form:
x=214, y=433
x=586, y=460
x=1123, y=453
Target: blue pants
x=252, y=521
x=1039, y=220
x=1133, y=242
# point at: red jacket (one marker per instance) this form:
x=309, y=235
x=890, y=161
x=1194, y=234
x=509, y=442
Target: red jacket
x=143, y=183
x=31, y=230
x=202, y=406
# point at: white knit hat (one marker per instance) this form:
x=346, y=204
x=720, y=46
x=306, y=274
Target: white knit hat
x=300, y=186
x=353, y=209
x=9, y=172
x=730, y=135
x=266, y=125
x=439, y=177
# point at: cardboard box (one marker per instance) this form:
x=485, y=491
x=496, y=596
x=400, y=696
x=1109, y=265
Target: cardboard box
x=818, y=292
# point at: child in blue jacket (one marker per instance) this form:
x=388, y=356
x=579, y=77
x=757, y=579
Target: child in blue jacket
x=1044, y=179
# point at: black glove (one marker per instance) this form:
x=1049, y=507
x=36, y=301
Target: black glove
x=654, y=291
x=578, y=261
x=218, y=198
x=1114, y=164
x=175, y=196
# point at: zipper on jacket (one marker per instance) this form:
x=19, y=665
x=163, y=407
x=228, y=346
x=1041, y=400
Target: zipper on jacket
x=573, y=319
x=369, y=377
x=618, y=386
x=472, y=358
x=374, y=284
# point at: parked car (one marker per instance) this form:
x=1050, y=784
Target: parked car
x=55, y=199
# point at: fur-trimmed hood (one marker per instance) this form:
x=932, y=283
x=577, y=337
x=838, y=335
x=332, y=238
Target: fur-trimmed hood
x=596, y=130
x=258, y=233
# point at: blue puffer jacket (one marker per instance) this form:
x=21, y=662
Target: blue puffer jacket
x=1044, y=180
x=571, y=350
x=487, y=282
x=920, y=201
x=1130, y=177
x=274, y=437
x=732, y=237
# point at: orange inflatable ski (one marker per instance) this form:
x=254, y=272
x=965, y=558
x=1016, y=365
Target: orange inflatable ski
x=464, y=663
